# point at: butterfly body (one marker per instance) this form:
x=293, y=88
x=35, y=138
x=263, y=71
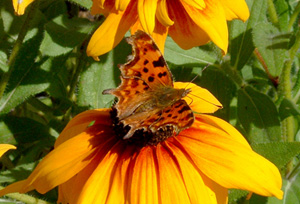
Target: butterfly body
x=147, y=98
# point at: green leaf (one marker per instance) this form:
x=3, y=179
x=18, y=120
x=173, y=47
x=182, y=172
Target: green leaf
x=291, y=188
x=258, y=115
x=271, y=151
x=272, y=46
x=282, y=9
x=85, y=3
x=240, y=34
x=288, y=108
x=28, y=79
x=100, y=76
x=221, y=86
x=204, y=55
x=63, y=34
x=235, y=195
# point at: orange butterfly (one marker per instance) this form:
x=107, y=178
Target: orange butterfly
x=147, y=98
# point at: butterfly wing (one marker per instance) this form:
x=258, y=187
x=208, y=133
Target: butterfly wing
x=148, y=63
x=179, y=115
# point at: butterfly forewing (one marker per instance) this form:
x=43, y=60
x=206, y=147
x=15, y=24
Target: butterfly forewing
x=148, y=63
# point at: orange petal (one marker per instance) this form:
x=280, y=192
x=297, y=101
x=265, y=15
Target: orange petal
x=144, y=178
x=147, y=10
x=228, y=162
x=121, y=5
x=81, y=121
x=112, y=31
x=20, y=6
x=171, y=184
x=235, y=9
x=68, y=159
x=104, y=175
x=162, y=13
x=5, y=147
x=199, y=99
x=197, y=190
x=159, y=36
x=212, y=20
x=184, y=28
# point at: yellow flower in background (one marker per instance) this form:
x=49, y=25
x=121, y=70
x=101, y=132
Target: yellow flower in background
x=5, y=147
x=190, y=23
x=92, y=163
x=20, y=6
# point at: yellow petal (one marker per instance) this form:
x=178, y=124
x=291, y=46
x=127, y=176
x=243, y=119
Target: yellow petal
x=223, y=125
x=184, y=28
x=171, y=184
x=198, y=4
x=5, y=147
x=197, y=191
x=235, y=9
x=98, y=185
x=146, y=11
x=144, y=178
x=212, y=20
x=162, y=13
x=121, y=4
x=81, y=121
x=112, y=31
x=159, y=36
x=67, y=159
x=20, y=6
x=199, y=99
x=228, y=162
x=69, y=191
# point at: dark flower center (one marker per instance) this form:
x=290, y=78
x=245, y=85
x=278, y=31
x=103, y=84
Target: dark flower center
x=141, y=137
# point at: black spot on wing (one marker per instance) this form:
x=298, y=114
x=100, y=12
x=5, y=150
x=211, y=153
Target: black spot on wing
x=145, y=70
x=146, y=62
x=150, y=79
x=184, y=108
x=159, y=63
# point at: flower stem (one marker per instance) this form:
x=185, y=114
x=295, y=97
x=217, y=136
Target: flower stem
x=272, y=12
x=15, y=51
x=294, y=16
x=25, y=198
x=285, y=91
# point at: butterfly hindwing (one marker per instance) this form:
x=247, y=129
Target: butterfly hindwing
x=180, y=115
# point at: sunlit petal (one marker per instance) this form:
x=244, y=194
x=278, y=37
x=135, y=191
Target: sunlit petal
x=111, y=32
x=199, y=99
x=162, y=13
x=198, y=4
x=5, y=147
x=235, y=9
x=146, y=11
x=20, y=6
x=219, y=155
x=212, y=20
x=185, y=28
x=144, y=178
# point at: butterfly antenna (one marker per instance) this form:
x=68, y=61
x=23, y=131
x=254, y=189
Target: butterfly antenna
x=191, y=99
x=206, y=100
x=196, y=76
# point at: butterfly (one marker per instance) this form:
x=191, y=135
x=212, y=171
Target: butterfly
x=146, y=96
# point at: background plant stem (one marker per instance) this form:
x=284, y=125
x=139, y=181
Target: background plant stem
x=5, y=77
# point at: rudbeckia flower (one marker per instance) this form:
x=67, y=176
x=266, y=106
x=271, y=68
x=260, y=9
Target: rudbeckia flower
x=20, y=6
x=5, y=147
x=92, y=163
x=189, y=23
